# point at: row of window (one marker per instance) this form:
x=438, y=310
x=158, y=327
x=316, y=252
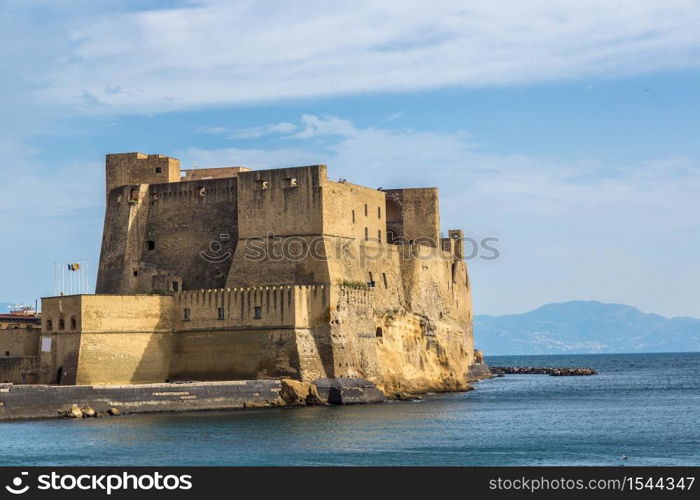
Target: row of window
x=379, y=234
x=220, y=313
x=61, y=324
x=187, y=313
x=379, y=213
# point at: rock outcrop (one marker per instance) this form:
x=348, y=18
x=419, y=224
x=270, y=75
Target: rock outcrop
x=74, y=412
x=89, y=412
x=479, y=370
x=296, y=393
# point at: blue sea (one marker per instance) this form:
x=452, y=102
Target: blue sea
x=643, y=406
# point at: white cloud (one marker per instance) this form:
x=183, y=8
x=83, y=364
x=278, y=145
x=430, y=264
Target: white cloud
x=249, y=132
x=315, y=126
x=214, y=52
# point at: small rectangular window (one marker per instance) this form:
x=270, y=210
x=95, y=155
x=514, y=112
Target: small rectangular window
x=151, y=244
x=353, y=216
x=176, y=286
x=386, y=283
x=220, y=313
x=158, y=170
x=258, y=312
x=379, y=234
x=136, y=273
x=366, y=233
x=7, y=353
x=186, y=314
x=366, y=210
x=379, y=212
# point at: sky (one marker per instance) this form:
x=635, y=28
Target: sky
x=567, y=131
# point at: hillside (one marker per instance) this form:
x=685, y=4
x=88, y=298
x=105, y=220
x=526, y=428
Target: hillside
x=585, y=327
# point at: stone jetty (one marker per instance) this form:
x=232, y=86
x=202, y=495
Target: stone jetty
x=555, y=371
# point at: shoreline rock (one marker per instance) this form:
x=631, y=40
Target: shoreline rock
x=297, y=393
x=344, y=391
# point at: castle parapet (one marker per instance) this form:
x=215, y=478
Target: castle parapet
x=212, y=173
x=291, y=306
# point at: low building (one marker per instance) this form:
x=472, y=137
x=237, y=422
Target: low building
x=19, y=346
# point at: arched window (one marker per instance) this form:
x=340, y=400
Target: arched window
x=379, y=332
x=49, y=325
x=61, y=324
x=73, y=323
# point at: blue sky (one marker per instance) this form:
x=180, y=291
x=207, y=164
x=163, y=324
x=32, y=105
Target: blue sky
x=569, y=131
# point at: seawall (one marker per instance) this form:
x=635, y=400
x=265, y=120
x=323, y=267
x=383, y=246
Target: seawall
x=53, y=401
x=44, y=401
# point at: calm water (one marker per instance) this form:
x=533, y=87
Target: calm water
x=644, y=406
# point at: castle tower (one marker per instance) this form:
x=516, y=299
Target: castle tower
x=124, y=169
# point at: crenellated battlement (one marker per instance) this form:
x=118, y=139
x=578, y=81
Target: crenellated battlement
x=198, y=191
x=263, y=306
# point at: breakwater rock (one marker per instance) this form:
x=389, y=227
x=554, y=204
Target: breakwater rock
x=555, y=371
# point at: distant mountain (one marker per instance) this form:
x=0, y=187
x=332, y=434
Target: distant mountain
x=584, y=327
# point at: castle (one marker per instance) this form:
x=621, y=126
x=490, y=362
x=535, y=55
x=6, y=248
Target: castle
x=235, y=274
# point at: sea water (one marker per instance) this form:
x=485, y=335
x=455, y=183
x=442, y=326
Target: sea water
x=645, y=407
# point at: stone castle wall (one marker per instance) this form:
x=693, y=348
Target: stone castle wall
x=308, y=278
x=162, y=234
x=17, y=342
